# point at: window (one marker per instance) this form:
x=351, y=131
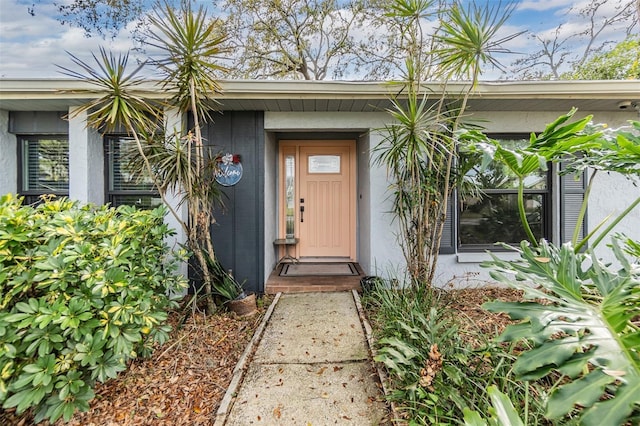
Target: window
x=44, y=166
x=494, y=217
x=290, y=195
x=125, y=185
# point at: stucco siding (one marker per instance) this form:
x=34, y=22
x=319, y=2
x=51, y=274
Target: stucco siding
x=271, y=194
x=611, y=194
x=8, y=157
x=86, y=160
x=174, y=125
x=364, y=202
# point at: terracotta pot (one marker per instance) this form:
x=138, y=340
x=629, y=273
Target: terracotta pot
x=244, y=307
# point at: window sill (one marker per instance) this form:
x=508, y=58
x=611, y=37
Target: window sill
x=482, y=257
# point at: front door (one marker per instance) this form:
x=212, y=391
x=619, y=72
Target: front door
x=325, y=198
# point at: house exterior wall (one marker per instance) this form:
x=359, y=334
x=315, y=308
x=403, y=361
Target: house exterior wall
x=243, y=236
x=86, y=160
x=364, y=201
x=611, y=194
x=174, y=122
x=270, y=213
x=378, y=250
x=238, y=234
x=8, y=156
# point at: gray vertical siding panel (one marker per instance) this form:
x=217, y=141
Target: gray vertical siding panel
x=238, y=234
x=38, y=122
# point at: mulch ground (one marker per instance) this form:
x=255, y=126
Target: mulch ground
x=185, y=380
x=468, y=304
x=182, y=383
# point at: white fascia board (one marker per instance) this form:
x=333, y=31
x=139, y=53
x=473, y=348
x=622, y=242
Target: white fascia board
x=578, y=89
x=64, y=89
x=626, y=89
x=279, y=89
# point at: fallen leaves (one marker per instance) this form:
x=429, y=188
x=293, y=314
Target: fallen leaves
x=181, y=384
x=468, y=303
x=277, y=412
x=432, y=366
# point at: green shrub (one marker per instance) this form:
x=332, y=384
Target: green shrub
x=83, y=290
x=436, y=375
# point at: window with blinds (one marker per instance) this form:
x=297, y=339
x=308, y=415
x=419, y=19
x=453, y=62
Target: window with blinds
x=44, y=165
x=127, y=183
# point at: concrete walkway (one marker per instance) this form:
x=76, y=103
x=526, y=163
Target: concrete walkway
x=311, y=367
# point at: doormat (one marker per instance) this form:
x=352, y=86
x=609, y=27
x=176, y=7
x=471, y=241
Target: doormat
x=318, y=269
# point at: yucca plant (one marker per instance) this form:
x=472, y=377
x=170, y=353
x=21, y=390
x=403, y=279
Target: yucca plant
x=189, y=43
x=420, y=147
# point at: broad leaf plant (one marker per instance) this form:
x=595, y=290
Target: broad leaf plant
x=580, y=315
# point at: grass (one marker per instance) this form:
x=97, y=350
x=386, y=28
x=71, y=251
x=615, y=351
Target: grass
x=439, y=362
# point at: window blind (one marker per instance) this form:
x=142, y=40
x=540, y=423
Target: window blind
x=123, y=176
x=45, y=165
x=128, y=183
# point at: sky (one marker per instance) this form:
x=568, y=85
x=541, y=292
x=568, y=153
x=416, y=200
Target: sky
x=32, y=41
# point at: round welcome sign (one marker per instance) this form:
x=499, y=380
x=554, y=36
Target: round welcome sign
x=229, y=171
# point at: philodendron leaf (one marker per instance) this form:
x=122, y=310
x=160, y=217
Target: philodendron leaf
x=551, y=127
x=576, y=365
x=519, y=310
x=554, y=352
x=538, y=373
x=505, y=413
x=472, y=418
x=616, y=410
x=519, y=162
x=584, y=392
x=632, y=341
x=520, y=331
x=588, y=325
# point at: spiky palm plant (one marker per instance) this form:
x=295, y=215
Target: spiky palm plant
x=188, y=43
x=419, y=149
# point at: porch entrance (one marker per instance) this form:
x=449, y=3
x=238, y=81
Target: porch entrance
x=318, y=198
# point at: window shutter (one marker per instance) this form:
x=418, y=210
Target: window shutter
x=447, y=243
x=572, y=191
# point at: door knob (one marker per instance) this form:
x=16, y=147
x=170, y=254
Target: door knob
x=301, y=213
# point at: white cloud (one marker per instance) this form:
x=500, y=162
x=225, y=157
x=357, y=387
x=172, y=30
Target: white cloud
x=31, y=46
x=542, y=5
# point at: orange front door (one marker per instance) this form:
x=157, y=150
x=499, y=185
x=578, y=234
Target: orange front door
x=326, y=199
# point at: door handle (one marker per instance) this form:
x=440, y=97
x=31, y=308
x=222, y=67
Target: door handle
x=301, y=213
